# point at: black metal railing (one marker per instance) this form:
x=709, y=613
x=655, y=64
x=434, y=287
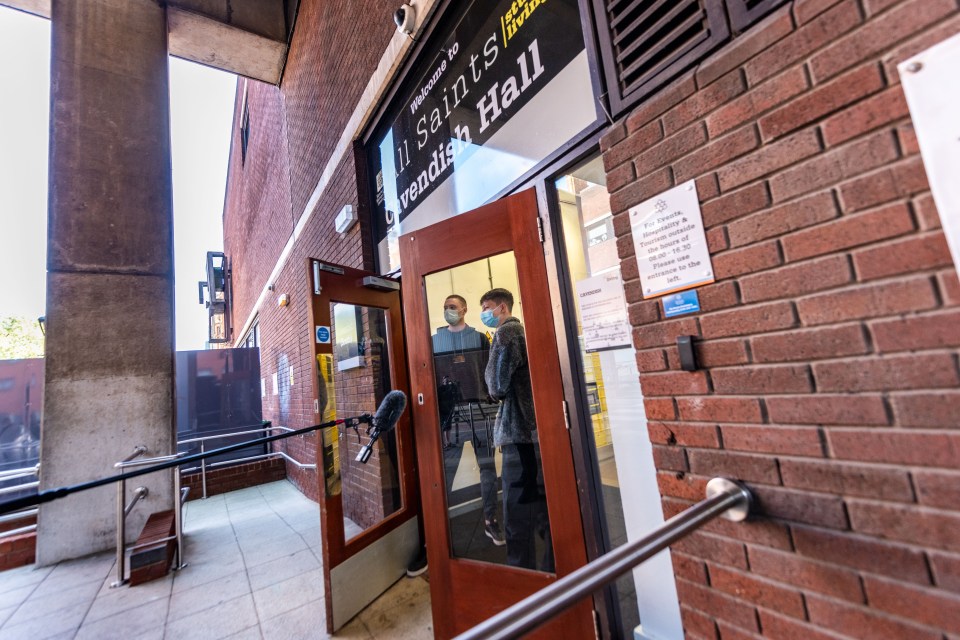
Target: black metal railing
x=724, y=497
x=54, y=494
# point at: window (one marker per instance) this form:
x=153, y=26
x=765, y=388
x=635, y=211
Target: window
x=244, y=128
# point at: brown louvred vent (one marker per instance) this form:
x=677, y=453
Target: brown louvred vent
x=743, y=13
x=650, y=41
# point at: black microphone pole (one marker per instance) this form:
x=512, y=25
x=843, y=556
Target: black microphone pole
x=53, y=494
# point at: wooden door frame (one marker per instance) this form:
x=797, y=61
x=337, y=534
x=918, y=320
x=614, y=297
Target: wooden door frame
x=509, y=224
x=347, y=287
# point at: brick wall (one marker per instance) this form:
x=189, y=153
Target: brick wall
x=294, y=130
x=232, y=478
x=829, y=342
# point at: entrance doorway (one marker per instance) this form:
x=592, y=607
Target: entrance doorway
x=500, y=507
x=368, y=503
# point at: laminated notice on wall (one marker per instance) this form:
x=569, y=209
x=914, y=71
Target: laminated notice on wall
x=670, y=243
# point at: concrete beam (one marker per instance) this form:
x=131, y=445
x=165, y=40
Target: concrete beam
x=199, y=38
x=246, y=37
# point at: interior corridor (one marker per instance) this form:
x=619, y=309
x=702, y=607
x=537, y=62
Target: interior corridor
x=253, y=572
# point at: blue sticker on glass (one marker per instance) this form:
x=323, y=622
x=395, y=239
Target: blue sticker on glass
x=677, y=304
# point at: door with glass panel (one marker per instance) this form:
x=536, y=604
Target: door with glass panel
x=368, y=508
x=500, y=505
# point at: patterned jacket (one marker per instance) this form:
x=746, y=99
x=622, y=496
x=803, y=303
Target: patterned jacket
x=508, y=380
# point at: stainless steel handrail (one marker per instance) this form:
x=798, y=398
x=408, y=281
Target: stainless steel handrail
x=724, y=497
x=123, y=510
x=272, y=454
x=17, y=515
x=19, y=487
x=12, y=474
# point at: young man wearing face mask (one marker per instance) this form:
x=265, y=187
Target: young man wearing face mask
x=466, y=351
x=508, y=380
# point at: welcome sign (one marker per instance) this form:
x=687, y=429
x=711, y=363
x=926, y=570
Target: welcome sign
x=508, y=86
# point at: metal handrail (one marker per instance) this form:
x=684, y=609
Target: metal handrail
x=133, y=461
x=126, y=464
x=724, y=497
x=12, y=474
x=19, y=487
x=203, y=463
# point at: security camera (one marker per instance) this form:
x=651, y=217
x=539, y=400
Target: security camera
x=406, y=18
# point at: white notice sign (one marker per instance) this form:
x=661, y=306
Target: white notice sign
x=670, y=243
x=603, y=312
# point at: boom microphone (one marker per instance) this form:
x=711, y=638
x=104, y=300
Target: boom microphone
x=384, y=420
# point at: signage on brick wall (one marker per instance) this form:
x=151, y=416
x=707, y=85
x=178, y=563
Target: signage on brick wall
x=670, y=243
x=930, y=84
x=508, y=86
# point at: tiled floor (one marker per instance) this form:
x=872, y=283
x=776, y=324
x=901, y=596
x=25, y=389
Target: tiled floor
x=254, y=572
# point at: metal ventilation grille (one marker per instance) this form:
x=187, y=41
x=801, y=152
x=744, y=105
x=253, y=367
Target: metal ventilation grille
x=743, y=13
x=651, y=40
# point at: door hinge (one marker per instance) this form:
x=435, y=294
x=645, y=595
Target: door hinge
x=540, y=227
x=566, y=415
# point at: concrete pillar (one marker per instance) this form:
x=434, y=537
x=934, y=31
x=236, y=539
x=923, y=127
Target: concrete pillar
x=109, y=367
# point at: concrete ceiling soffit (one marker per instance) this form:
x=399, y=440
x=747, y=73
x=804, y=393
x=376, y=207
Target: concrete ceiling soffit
x=198, y=38
x=36, y=7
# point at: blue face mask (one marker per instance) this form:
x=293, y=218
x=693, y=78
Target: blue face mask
x=487, y=318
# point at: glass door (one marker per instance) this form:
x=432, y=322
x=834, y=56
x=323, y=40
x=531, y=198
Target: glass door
x=501, y=513
x=369, y=531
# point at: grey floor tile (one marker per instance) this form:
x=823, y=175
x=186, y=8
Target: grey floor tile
x=110, y=602
x=306, y=621
x=212, y=594
x=50, y=604
x=6, y=613
x=250, y=633
x=203, y=570
x=76, y=572
x=66, y=620
x=22, y=577
x=225, y=620
x=145, y=622
x=267, y=551
x=288, y=595
x=16, y=597
x=268, y=573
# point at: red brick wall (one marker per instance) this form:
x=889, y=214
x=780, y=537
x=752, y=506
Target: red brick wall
x=294, y=130
x=829, y=342
x=232, y=478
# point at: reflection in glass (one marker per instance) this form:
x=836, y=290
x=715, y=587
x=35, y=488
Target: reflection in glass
x=592, y=251
x=354, y=381
x=494, y=483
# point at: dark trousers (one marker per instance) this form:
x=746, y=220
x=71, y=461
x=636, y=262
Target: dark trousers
x=525, y=507
x=483, y=448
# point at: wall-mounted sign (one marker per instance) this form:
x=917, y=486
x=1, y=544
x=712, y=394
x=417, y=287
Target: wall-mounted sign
x=508, y=86
x=677, y=304
x=669, y=241
x=930, y=84
x=323, y=335
x=603, y=313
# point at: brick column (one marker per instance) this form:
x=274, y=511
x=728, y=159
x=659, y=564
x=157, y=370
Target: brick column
x=109, y=367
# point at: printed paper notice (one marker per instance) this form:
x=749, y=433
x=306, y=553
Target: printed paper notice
x=670, y=244
x=603, y=313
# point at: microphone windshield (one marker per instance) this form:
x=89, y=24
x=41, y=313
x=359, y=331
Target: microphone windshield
x=390, y=411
